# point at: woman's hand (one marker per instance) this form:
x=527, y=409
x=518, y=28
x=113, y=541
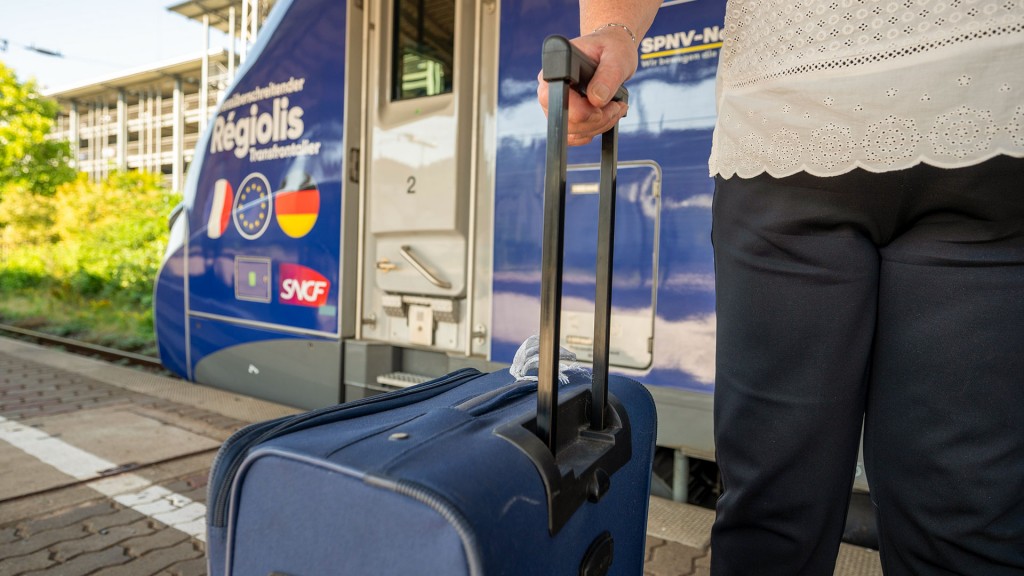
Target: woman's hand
x=616, y=58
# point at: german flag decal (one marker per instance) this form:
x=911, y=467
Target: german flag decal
x=297, y=209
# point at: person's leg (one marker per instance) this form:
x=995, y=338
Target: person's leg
x=944, y=436
x=796, y=284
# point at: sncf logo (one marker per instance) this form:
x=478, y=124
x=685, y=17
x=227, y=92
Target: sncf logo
x=301, y=286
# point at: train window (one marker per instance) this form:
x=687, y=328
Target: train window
x=423, y=52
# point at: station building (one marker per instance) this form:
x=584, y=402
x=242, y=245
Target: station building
x=151, y=118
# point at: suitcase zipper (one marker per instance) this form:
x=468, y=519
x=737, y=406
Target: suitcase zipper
x=229, y=458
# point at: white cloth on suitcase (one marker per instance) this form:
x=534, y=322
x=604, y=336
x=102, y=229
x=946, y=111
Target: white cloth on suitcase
x=527, y=361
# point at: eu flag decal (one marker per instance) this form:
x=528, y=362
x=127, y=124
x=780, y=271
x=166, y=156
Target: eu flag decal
x=252, y=206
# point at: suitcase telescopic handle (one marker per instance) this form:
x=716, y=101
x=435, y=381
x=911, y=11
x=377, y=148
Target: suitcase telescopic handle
x=565, y=68
x=576, y=463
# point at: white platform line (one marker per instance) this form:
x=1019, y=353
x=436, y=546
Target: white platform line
x=129, y=490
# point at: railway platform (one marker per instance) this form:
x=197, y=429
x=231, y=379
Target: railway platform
x=105, y=471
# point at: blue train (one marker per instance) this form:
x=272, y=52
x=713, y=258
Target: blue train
x=364, y=212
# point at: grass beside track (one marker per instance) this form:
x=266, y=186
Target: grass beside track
x=111, y=321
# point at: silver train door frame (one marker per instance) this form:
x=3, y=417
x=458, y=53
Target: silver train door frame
x=424, y=201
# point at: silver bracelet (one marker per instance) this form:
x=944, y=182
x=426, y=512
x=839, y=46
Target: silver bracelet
x=617, y=25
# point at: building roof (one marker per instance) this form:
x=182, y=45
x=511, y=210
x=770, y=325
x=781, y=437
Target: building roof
x=161, y=75
x=218, y=11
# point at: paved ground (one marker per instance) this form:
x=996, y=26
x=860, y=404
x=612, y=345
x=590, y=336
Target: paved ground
x=105, y=469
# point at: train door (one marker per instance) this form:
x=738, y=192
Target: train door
x=418, y=196
x=635, y=262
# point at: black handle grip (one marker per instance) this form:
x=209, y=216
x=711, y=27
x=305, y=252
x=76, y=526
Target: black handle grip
x=563, y=61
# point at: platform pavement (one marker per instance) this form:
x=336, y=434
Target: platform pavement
x=105, y=472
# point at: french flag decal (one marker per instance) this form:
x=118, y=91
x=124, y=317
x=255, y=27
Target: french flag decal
x=220, y=210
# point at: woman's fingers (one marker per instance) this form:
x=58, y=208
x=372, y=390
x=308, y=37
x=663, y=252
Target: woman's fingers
x=585, y=120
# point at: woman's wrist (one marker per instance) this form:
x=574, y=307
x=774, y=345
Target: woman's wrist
x=619, y=26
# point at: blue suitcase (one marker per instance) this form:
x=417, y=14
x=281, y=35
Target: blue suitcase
x=470, y=473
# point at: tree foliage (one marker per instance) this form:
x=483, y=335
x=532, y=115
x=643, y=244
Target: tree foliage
x=28, y=160
x=77, y=256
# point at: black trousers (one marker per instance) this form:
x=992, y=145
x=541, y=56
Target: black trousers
x=891, y=300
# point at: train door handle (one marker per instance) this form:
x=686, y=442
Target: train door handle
x=406, y=252
x=385, y=265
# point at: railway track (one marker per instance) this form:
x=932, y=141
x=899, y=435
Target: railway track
x=86, y=349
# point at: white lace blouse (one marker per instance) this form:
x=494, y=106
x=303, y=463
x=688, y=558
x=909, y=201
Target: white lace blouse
x=825, y=86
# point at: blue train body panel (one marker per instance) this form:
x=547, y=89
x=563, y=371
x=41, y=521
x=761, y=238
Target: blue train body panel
x=265, y=216
x=169, y=311
x=264, y=237
x=669, y=124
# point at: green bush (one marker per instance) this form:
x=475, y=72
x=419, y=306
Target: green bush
x=88, y=243
x=76, y=257
x=114, y=233
x=19, y=279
